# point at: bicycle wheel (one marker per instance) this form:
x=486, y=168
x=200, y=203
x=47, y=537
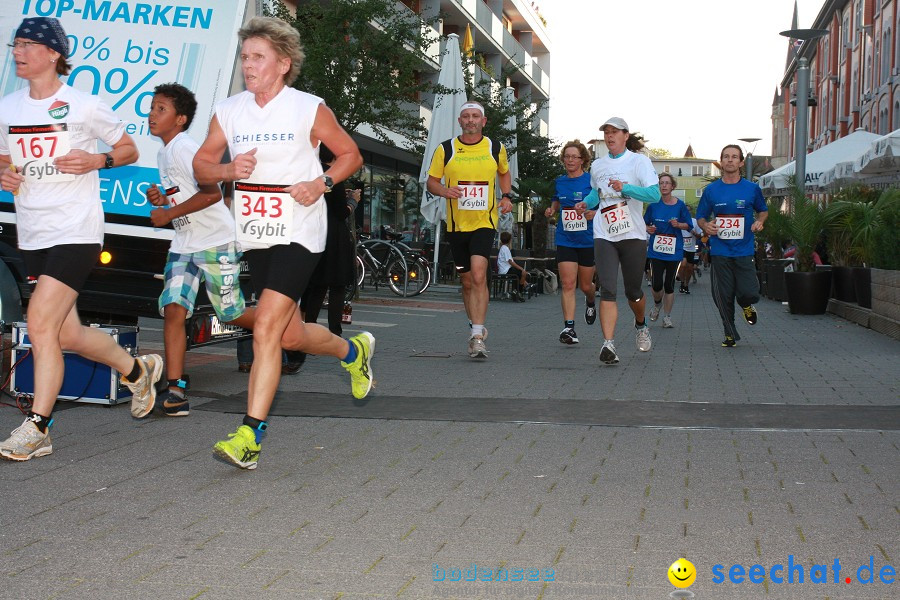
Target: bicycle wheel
x=407, y=277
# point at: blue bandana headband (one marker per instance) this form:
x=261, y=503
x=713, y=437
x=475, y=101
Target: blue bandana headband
x=46, y=31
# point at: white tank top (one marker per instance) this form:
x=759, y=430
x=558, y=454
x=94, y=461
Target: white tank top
x=280, y=132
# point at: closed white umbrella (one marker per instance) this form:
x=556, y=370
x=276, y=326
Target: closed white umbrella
x=444, y=125
x=509, y=97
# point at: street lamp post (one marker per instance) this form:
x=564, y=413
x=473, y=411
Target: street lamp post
x=801, y=124
x=749, y=160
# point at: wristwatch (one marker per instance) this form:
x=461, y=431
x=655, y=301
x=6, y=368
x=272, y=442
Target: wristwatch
x=329, y=182
x=109, y=161
x=507, y=195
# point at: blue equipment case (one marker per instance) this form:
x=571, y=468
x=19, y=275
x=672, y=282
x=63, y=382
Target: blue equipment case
x=84, y=380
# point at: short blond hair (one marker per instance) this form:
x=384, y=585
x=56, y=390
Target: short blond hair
x=284, y=39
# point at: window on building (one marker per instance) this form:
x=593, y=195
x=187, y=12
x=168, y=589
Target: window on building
x=854, y=90
x=867, y=74
x=876, y=62
x=666, y=169
x=857, y=21
x=697, y=170
x=896, y=124
x=845, y=37
x=886, y=56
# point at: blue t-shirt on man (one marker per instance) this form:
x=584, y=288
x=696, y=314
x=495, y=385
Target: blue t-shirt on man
x=571, y=232
x=659, y=214
x=731, y=206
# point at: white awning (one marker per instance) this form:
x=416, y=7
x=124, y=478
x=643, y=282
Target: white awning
x=842, y=149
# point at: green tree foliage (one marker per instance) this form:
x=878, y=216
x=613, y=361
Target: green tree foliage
x=364, y=57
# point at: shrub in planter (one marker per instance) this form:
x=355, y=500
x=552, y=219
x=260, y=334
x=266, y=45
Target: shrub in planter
x=807, y=290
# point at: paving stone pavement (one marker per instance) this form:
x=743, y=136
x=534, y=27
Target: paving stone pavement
x=388, y=508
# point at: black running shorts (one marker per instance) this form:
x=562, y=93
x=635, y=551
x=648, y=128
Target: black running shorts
x=466, y=244
x=285, y=269
x=583, y=256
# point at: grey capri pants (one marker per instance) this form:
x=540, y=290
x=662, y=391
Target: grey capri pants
x=631, y=254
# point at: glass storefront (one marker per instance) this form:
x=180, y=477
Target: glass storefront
x=391, y=197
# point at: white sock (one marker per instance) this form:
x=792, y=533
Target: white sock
x=477, y=330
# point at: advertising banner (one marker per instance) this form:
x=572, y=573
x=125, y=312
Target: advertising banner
x=120, y=51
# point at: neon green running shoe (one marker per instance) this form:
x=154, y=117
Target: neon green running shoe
x=240, y=449
x=361, y=376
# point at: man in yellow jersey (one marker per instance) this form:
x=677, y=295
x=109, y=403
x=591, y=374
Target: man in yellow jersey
x=469, y=165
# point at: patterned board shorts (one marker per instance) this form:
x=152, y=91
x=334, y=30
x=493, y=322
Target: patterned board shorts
x=218, y=268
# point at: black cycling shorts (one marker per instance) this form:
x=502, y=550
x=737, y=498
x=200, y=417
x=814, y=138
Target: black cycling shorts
x=68, y=263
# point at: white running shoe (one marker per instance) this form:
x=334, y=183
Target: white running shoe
x=26, y=442
x=643, y=339
x=608, y=353
x=477, y=348
x=654, y=312
x=667, y=322
x=143, y=391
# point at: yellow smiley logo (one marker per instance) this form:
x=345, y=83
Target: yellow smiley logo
x=682, y=573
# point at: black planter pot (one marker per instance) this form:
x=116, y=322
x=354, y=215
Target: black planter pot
x=844, y=286
x=862, y=282
x=808, y=293
x=775, y=279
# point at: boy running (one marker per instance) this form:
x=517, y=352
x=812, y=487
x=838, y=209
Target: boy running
x=203, y=246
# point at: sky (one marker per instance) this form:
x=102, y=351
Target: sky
x=699, y=72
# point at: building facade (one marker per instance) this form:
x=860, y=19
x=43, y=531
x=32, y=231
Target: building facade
x=854, y=76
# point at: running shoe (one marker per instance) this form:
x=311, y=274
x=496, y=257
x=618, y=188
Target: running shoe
x=483, y=331
x=608, y=353
x=240, y=449
x=143, y=391
x=667, y=322
x=728, y=342
x=642, y=337
x=26, y=442
x=750, y=314
x=686, y=291
x=568, y=336
x=654, y=312
x=361, y=376
x=294, y=362
x=477, y=348
x=590, y=313
x=173, y=405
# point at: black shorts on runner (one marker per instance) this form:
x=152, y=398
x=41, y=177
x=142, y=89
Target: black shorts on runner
x=691, y=257
x=68, y=263
x=285, y=269
x=583, y=256
x=466, y=244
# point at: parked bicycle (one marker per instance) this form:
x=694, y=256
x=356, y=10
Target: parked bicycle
x=406, y=271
